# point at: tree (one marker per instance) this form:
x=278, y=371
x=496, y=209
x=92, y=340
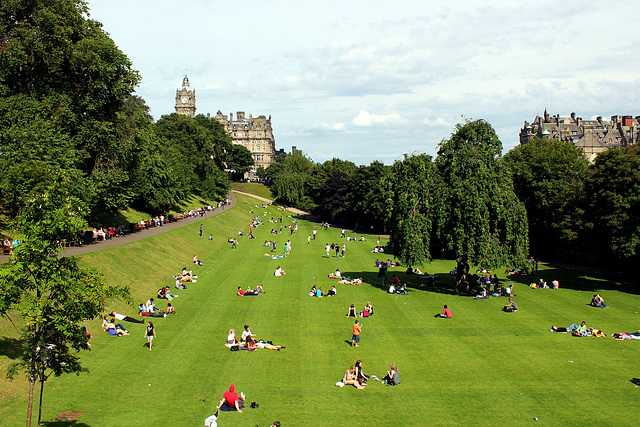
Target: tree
x=612, y=217
x=50, y=293
x=480, y=218
x=239, y=158
x=414, y=184
x=368, y=193
x=548, y=177
x=290, y=180
x=52, y=54
x=196, y=148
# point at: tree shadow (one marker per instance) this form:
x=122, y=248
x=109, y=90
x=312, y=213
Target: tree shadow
x=444, y=284
x=10, y=347
x=64, y=423
x=575, y=280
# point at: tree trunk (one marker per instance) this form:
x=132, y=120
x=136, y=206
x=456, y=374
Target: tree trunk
x=40, y=403
x=32, y=384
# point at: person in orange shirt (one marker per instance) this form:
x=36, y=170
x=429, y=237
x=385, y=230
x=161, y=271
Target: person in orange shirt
x=356, y=334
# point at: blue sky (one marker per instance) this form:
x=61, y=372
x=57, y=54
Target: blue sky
x=373, y=80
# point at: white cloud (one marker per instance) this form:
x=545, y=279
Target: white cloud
x=366, y=119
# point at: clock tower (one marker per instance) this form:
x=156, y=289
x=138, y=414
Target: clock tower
x=186, y=99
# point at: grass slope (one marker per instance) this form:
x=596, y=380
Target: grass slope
x=482, y=366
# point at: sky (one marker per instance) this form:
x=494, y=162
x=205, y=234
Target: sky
x=373, y=80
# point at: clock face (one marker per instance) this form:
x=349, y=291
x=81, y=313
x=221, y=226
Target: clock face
x=184, y=99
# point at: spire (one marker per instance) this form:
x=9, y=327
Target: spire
x=185, y=82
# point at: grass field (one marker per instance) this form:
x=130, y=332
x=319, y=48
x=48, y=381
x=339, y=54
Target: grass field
x=482, y=367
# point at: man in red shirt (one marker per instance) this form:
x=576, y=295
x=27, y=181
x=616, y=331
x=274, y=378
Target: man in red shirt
x=230, y=400
x=446, y=313
x=240, y=291
x=356, y=334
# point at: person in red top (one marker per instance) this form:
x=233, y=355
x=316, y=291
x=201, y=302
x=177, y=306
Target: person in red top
x=230, y=400
x=240, y=291
x=446, y=313
x=356, y=334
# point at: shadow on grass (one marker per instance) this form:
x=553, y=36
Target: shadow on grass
x=636, y=381
x=443, y=285
x=64, y=423
x=571, y=279
x=10, y=347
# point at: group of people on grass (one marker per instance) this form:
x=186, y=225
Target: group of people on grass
x=355, y=377
x=367, y=311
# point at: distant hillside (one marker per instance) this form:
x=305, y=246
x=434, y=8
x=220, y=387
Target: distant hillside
x=253, y=188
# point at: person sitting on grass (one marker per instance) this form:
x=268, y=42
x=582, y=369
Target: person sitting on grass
x=170, y=309
x=352, y=312
x=332, y=292
x=279, y=272
x=512, y=307
x=446, y=313
x=393, y=376
x=350, y=378
x=392, y=289
x=180, y=285
x=598, y=301
x=360, y=376
x=231, y=338
x=112, y=328
x=319, y=293
x=312, y=292
x=337, y=274
x=246, y=333
x=230, y=401
x=143, y=311
x=484, y=293
x=369, y=308
x=196, y=260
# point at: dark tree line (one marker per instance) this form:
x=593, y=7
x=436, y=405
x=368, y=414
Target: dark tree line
x=471, y=203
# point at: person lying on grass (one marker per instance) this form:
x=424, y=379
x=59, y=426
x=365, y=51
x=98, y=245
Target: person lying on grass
x=351, y=379
x=252, y=344
x=626, y=335
x=144, y=312
x=230, y=401
x=393, y=376
x=125, y=318
x=572, y=327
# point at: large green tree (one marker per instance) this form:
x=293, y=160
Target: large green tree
x=480, y=218
x=548, y=177
x=290, y=180
x=414, y=184
x=50, y=294
x=612, y=216
x=54, y=55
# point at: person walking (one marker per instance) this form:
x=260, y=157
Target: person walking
x=201, y=229
x=150, y=334
x=382, y=273
x=344, y=249
x=355, y=339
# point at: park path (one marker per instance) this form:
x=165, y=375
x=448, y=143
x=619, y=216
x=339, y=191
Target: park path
x=132, y=237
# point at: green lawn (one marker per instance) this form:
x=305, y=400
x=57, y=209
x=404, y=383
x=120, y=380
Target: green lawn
x=482, y=367
x=260, y=190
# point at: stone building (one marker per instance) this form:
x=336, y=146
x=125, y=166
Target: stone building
x=593, y=136
x=255, y=134
x=186, y=99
